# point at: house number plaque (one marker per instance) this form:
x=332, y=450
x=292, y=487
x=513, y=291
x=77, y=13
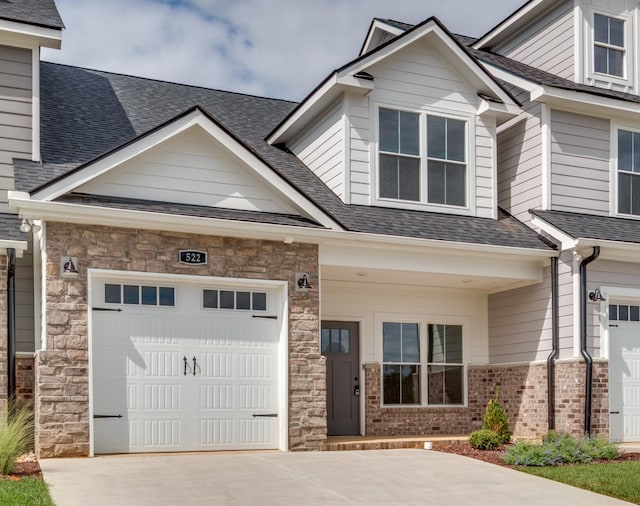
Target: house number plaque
x=192, y=257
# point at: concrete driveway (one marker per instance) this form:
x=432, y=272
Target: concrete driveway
x=324, y=478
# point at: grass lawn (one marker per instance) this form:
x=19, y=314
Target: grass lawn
x=25, y=492
x=620, y=480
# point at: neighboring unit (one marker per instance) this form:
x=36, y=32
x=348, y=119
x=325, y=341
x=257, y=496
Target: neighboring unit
x=441, y=216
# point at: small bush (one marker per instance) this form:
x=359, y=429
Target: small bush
x=484, y=439
x=559, y=448
x=16, y=437
x=495, y=419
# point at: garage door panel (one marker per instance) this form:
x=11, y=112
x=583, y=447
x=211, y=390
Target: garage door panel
x=139, y=370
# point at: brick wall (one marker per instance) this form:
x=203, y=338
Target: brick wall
x=25, y=380
x=522, y=393
x=62, y=404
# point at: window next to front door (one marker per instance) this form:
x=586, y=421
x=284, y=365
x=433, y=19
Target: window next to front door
x=422, y=158
x=411, y=350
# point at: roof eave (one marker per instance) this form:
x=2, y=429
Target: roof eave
x=28, y=35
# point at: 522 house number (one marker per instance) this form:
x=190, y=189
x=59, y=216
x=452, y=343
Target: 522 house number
x=192, y=257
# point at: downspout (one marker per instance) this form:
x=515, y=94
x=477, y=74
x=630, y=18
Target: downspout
x=11, y=326
x=583, y=338
x=555, y=338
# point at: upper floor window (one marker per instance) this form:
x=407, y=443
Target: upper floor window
x=609, y=50
x=628, y=172
x=419, y=167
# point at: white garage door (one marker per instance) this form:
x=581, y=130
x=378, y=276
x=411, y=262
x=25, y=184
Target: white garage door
x=624, y=372
x=183, y=367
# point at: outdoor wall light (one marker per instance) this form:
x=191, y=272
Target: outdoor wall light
x=302, y=282
x=68, y=266
x=28, y=225
x=596, y=296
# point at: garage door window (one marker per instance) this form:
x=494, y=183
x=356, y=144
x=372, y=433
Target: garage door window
x=624, y=313
x=145, y=295
x=236, y=300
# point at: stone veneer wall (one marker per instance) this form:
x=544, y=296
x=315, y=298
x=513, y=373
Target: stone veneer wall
x=522, y=393
x=62, y=401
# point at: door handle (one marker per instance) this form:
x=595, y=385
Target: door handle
x=356, y=390
x=185, y=365
x=195, y=364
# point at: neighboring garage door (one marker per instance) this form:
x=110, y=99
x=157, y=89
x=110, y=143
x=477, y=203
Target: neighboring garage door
x=624, y=372
x=183, y=367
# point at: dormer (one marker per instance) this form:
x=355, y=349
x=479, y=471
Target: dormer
x=409, y=124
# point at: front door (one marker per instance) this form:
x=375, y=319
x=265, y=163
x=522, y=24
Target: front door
x=340, y=344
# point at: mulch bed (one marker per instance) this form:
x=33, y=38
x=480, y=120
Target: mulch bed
x=26, y=467
x=495, y=456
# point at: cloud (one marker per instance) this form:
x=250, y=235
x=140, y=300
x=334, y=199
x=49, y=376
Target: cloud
x=277, y=48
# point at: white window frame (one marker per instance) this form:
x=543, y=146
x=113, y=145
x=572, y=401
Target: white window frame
x=423, y=205
x=627, y=81
x=621, y=49
x=423, y=322
x=613, y=209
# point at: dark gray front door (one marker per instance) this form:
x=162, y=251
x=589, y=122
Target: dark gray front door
x=340, y=344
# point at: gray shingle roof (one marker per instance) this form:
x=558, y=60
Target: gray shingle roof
x=86, y=113
x=188, y=210
x=588, y=226
x=34, y=12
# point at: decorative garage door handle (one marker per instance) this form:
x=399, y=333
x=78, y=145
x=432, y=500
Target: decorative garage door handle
x=107, y=416
x=185, y=364
x=195, y=364
x=106, y=309
x=268, y=415
x=614, y=412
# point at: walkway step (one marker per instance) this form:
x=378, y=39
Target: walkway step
x=337, y=444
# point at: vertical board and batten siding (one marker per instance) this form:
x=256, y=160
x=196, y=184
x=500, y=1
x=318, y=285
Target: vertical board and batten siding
x=520, y=161
x=364, y=302
x=417, y=78
x=580, y=154
x=321, y=148
x=547, y=44
x=25, y=333
x=520, y=319
x=16, y=82
x=607, y=273
x=191, y=168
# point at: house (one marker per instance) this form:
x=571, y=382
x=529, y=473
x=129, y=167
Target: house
x=195, y=269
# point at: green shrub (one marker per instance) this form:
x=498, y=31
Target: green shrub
x=559, y=448
x=495, y=419
x=484, y=439
x=16, y=436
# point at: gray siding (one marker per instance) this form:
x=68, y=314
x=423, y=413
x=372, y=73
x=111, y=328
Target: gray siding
x=321, y=148
x=580, y=152
x=520, y=319
x=546, y=44
x=15, y=114
x=520, y=162
x=25, y=340
x=607, y=273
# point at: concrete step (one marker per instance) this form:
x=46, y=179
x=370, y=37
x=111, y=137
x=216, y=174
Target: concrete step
x=351, y=443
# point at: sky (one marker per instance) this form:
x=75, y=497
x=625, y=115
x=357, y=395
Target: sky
x=272, y=48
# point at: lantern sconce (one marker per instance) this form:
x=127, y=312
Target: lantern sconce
x=302, y=282
x=596, y=296
x=68, y=266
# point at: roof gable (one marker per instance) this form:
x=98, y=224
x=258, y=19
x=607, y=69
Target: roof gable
x=354, y=77
x=190, y=160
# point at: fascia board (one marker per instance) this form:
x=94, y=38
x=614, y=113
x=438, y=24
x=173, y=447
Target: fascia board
x=502, y=111
x=196, y=117
x=431, y=27
x=504, y=75
x=29, y=35
x=82, y=214
x=613, y=250
x=19, y=246
x=567, y=242
x=585, y=102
